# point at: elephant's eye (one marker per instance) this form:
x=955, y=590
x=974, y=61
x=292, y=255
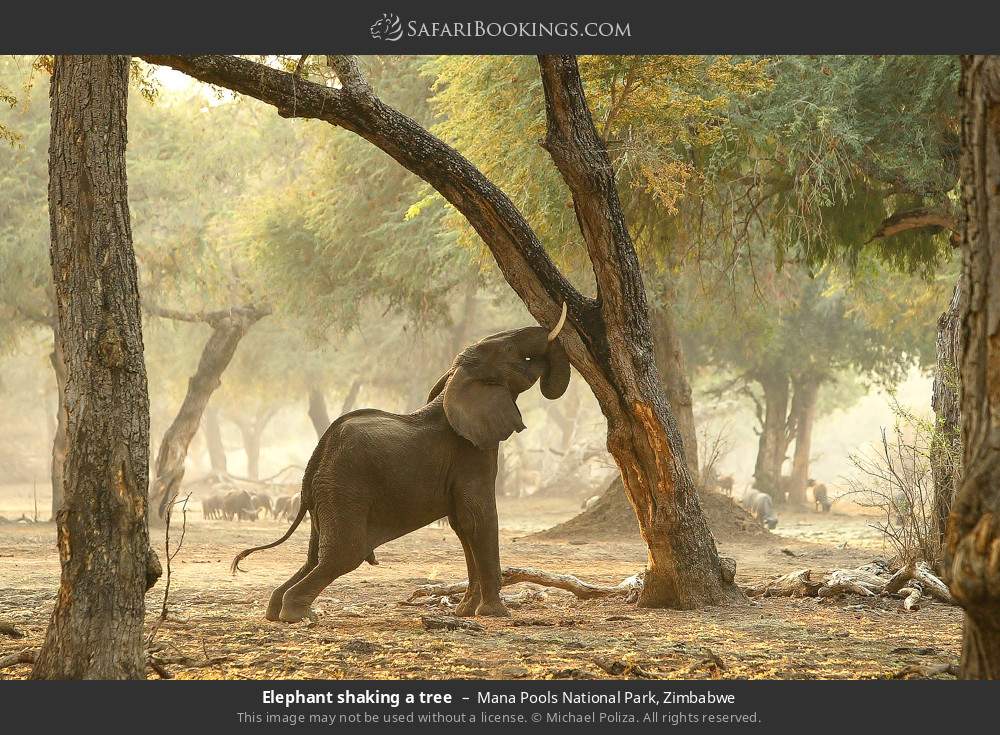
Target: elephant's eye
x=527, y=359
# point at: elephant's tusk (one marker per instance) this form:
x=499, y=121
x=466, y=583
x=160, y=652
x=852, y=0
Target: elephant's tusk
x=558, y=327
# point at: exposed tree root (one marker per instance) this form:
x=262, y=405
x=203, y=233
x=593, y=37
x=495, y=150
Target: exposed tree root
x=628, y=587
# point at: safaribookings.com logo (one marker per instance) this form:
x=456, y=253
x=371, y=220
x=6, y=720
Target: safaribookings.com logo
x=390, y=28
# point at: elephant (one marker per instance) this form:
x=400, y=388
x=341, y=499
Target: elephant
x=375, y=476
x=238, y=505
x=261, y=502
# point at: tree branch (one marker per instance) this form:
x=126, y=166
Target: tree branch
x=521, y=257
x=915, y=219
x=249, y=313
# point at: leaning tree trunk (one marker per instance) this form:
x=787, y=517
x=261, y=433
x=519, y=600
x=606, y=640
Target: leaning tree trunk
x=773, y=442
x=946, y=443
x=804, y=410
x=318, y=413
x=107, y=565
x=59, y=438
x=228, y=329
x=671, y=364
x=972, y=554
x=213, y=440
x=607, y=338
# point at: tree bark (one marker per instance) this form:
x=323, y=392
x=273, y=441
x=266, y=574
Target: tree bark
x=228, y=328
x=804, y=410
x=251, y=430
x=773, y=442
x=318, y=413
x=946, y=444
x=607, y=338
x=213, y=440
x=59, y=438
x=972, y=553
x=671, y=364
x=107, y=565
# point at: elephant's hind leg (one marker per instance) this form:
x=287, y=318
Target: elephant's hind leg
x=274, y=605
x=340, y=552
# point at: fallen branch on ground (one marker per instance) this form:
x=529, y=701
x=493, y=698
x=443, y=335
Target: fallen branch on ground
x=912, y=582
x=924, y=671
x=514, y=575
x=27, y=656
x=793, y=584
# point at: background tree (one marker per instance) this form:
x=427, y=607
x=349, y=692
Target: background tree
x=972, y=554
x=107, y=565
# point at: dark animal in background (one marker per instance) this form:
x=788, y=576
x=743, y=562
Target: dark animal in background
x=820, y=495
x=261, y=502
x=725, y=485
x=238, y=505
x=761, y=507
x=211, y=507
x=376, y=476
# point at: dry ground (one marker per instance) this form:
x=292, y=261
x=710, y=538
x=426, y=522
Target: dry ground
x=364, y=632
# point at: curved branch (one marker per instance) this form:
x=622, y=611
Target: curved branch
x=916, y=219
x=354, y=106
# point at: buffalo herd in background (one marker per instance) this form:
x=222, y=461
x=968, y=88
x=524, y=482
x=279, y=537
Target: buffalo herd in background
x=240, y=505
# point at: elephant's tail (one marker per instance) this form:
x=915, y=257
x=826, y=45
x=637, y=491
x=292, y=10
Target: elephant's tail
x=247, y=552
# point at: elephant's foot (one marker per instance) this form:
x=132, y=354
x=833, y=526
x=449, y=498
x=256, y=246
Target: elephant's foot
x=467, y=608
x=494, y=609
x=273, y=612
x=293, y=612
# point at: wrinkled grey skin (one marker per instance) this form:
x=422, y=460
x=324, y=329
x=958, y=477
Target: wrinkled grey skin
x=239, y=505
x=761, y=507
x=376, y=476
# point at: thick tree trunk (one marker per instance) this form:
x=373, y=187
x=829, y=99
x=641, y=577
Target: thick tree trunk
x=946, y=446
x=804, y=409
x=228, y=329
x=213, y=440
x=773, y=442
x=670, y=361
x=107, y=565
x=607, y=339
x=318, y=413
x=59, y=437
x=252, y=430
x=972, y=553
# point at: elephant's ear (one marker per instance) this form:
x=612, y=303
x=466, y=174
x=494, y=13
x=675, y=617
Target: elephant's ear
x=484, y=413
x=439, y=386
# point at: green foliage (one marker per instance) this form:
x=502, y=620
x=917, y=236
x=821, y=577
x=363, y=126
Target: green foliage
x=837, y=145
x=346, y=234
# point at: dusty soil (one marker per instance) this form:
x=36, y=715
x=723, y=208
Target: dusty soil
x=217, y=629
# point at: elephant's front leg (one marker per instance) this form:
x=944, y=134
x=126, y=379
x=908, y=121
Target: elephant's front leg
x=472, y=598
x=485, y=542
